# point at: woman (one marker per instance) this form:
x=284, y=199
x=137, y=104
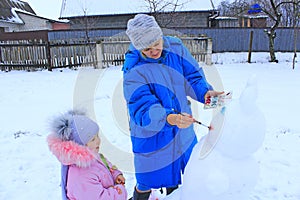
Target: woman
x=159, y=74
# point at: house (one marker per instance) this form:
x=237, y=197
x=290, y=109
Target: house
x=18, y=16
x=223, y=21
x=243, y=21
x=178, y=20
x=253, y=20
x=172, y=20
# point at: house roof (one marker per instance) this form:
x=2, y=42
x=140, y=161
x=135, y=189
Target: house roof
x=9, y=9
x=255, y=16
x=226, y=18
x=133, y=13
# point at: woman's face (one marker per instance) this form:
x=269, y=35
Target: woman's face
x=94, y=144
x=154, y=51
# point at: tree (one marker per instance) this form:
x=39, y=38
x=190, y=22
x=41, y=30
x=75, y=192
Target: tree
x=274, y=9
x=295, y=25
x=289, y=14
x=155, y=7
x=233, y=9
x=83, y=18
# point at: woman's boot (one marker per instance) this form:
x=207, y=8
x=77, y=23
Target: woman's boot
x=171, y=189
x=140, y=195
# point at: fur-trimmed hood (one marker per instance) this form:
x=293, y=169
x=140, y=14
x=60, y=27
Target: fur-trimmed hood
x=71, y=153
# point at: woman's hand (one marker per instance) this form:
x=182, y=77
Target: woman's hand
x=211, y=98
x=120, y=179
x=212, y=93
x=182, y=120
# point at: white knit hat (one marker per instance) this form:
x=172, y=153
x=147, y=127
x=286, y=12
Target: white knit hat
x=143, y=31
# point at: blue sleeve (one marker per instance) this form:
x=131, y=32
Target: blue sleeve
x=131, y=58
x=193, y=73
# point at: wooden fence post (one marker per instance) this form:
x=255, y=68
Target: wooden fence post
x=250, y=47
x=48, y=55
x=208, y=59
x=99, y=55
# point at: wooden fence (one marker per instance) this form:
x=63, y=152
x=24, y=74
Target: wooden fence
x=29, y=56
x=111, y=52
x=200, y=48
x=72, y=55
x=40, y=54
x=22, y=54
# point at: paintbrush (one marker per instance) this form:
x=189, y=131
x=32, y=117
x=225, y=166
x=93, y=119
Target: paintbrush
x=196, y=121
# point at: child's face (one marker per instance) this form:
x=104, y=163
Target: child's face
x=94, y=144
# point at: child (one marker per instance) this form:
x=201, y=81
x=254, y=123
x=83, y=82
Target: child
x=85, y=173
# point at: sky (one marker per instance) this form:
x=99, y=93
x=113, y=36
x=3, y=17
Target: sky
x=52, y=9
x=29, y=170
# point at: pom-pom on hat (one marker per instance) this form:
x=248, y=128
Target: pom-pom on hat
x=143, y=31
x=76, y=127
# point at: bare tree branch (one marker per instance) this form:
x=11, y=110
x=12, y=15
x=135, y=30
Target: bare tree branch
x=156, y=7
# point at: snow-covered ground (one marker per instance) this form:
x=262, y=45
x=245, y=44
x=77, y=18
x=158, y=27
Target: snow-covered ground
x=29, y=99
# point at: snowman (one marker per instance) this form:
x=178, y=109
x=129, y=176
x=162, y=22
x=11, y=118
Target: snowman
x=222, y=165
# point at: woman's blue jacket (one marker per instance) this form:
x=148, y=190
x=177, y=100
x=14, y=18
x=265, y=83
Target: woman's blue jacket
x=153, y=89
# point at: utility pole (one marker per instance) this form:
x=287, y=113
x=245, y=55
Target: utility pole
x=63, y=7
x=212, y=4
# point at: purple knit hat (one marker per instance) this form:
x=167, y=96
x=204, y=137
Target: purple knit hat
x=84, y=129
x=76, y=127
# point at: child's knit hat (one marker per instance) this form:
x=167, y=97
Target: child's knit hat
x=75, y=126
x=143, y=31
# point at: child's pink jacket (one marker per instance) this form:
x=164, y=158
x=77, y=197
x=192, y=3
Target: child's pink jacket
x=88, y=177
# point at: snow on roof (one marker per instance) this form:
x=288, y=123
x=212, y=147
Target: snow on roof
x=226, y=18
x=9, y=8
x=15, y=17
x=255, y=16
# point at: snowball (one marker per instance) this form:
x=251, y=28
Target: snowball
x=218, y=177
x=242, y=133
